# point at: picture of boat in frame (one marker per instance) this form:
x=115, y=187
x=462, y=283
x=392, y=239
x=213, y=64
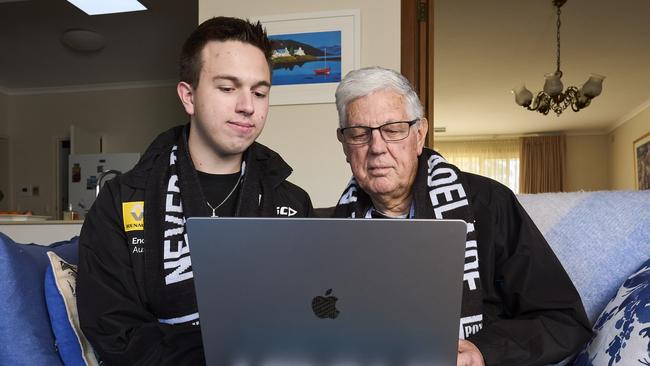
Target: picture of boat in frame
x=311, y=52
x=306, y=58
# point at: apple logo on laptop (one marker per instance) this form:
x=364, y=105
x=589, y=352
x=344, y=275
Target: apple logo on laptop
x=325, y=306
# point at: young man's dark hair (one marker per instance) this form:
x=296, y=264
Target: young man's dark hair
x=220, y=29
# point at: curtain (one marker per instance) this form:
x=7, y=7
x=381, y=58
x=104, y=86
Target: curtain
x=542, y=164
x=496, y=159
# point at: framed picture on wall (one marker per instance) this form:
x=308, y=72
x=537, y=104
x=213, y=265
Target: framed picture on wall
x=311, y=53
x=642, y=162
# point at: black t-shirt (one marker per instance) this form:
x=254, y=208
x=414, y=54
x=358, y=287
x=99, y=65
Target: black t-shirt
x=216, y=187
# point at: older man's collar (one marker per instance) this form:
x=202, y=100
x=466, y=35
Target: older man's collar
x=373, y=213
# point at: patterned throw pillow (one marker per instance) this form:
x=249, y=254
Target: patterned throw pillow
x=622, y=331
x=25, y=332
x=60, y=296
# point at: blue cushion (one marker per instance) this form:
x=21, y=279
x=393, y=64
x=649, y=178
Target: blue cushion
x=25, y=334
x=622, y=331
x=61, y=300
x=600, y=238
x=66, y=339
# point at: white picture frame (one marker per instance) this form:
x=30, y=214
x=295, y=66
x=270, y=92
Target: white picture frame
x=348, y=22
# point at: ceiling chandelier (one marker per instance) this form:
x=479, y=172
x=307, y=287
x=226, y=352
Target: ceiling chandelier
x=553, y=97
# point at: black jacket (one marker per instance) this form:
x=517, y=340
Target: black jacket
x=120, y=291
x=532, y=313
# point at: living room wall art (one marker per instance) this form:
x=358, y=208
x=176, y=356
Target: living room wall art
x=311, y=53
x=642, y=162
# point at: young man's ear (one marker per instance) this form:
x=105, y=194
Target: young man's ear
x=186, y=95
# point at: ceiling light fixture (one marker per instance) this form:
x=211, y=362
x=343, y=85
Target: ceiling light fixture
x=552, y=97
x=98, y=7
x=83, y=40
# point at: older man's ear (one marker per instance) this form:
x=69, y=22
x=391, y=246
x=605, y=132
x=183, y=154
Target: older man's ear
x=339, y=136
x=423, y=127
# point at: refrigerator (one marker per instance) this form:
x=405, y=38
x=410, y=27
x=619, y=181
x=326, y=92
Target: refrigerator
x=87, y=173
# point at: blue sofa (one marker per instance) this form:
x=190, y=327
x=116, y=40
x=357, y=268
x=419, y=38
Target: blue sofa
x=600, y=238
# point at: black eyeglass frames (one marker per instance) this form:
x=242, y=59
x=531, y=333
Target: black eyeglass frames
x=390, y=132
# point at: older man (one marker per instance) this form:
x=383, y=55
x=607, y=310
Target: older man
x=519, y=306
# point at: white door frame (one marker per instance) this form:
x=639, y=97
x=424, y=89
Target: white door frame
x=9, y=194
x=56, y=204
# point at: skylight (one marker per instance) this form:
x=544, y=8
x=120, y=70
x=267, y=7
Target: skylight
x=98, y=7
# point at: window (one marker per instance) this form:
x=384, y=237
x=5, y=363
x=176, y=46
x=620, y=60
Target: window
x=496, y=159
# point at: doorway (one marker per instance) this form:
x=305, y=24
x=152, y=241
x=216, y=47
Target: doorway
x=417, y=53
x=62, y=153
x=5, y=196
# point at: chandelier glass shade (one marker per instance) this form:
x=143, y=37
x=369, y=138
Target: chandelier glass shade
x=554, y=97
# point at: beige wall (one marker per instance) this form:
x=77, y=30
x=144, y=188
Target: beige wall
x=621, y=176
x=305, y=134
x=128, y=120
x=587, y=160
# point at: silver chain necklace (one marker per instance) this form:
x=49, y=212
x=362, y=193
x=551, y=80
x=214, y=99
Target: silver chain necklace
x=214, y=209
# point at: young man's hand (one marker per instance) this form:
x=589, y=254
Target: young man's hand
x=469, y=354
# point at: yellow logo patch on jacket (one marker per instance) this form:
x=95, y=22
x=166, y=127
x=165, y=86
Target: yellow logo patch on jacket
x=133, y=215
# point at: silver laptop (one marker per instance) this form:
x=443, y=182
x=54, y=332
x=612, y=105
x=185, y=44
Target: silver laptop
x=344, y=292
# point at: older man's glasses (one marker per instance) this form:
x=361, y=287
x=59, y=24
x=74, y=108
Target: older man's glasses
x=390, y=132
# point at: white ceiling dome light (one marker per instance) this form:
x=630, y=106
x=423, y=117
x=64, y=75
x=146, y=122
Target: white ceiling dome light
x=83, y=40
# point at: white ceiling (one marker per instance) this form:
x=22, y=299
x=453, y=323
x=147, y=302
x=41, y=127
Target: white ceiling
x=142, y=47
x=483, y=49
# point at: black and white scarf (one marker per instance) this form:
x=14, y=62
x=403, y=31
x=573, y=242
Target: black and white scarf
x=176, y=258
x=173, y=193
x=438, y=193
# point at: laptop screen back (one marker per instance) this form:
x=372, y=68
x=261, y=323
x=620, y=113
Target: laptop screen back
x=276, y=291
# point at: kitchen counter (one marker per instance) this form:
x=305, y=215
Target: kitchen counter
x=41, y=232
x=42, y=222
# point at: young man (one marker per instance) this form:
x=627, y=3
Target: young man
x=135, y=287
x=519, y=306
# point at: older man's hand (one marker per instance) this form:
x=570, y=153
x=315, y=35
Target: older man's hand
x=469, y=354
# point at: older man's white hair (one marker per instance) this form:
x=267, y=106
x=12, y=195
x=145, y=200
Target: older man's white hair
x=362, y=82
